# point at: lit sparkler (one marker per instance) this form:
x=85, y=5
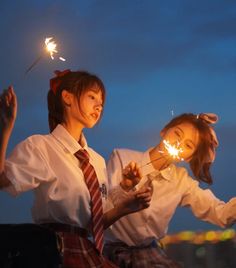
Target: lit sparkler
x=51, y=48
x=173, y=150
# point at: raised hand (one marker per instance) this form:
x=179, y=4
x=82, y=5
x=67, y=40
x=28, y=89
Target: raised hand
x=8, y=109
x=131, y=176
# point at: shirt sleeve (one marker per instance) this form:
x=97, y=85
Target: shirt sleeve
x=114, y=169
x=206, y=206
x=26, y=168
x=114, y=173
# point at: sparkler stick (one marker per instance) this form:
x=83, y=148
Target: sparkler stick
x=51, y=48
x=154, y=160
x=33, y=64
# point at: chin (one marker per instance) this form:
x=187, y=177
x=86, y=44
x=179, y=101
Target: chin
x=91, y=125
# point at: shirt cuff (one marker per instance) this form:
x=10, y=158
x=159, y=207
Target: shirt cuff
x=117, y=195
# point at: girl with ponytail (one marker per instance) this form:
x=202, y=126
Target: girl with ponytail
x=68, y=177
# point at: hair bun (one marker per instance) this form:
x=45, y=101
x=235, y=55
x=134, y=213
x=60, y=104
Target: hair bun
x=209, y=118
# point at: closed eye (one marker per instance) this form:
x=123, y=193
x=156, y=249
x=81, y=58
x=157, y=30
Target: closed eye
x=189, y=146
x=177, y=134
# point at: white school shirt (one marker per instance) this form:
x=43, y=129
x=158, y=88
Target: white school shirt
x=46, y=164
x=172, y=187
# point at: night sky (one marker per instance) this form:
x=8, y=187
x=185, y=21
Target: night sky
x=156, y=58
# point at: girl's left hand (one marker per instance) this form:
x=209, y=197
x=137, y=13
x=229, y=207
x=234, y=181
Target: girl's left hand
x=136, y=201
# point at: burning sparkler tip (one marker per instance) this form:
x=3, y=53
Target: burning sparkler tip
x=51, y=47
x=173, y=150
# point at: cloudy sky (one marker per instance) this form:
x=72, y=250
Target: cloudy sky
x=156, y=58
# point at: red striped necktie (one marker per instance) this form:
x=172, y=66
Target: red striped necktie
x=91, y=180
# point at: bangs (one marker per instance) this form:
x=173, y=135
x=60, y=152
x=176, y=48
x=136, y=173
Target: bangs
x=93, y=85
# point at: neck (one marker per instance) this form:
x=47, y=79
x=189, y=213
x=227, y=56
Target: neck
x=159, y=161
x=75, y=131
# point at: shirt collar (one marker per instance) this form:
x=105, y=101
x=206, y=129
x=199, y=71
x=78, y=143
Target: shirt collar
x=69, y=142
x=148, y=169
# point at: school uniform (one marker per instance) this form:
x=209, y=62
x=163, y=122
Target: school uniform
x=47, y=165
x=172, y=187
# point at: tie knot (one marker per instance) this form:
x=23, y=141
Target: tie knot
x=82, y=155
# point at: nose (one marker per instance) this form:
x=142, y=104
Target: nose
x=98, y=107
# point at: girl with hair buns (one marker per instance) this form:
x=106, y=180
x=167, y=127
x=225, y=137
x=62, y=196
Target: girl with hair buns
x=67, y=176
x=133, y=241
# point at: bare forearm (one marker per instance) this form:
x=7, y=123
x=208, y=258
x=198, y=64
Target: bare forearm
x=134, y=201
x=8, y=112
x=4, y=138
x=113, y=215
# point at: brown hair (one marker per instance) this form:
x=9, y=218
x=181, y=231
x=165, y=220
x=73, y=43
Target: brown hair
x=199, y=163
x=74, y=82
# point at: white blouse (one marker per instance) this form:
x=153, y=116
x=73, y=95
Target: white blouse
x=46, y=164
x=172, y=187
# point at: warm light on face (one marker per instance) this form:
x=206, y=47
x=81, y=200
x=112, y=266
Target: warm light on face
x=181, y=141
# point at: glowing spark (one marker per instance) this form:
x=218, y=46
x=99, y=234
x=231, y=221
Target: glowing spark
x=51, y=46
x=173, y=150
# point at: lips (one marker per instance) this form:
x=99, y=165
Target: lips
x=94, y=116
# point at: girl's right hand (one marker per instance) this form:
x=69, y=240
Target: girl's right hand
x=8, y=109
x=131, y=176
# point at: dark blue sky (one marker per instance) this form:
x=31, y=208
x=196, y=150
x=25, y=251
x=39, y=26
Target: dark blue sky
x=155, y=58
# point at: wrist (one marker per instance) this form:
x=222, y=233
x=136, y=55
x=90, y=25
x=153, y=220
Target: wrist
x=122, y=209
x=126, y=187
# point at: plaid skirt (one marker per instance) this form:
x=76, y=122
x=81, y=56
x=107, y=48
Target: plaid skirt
x=149, y=256
x=77, y=250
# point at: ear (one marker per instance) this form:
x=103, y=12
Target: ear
x=67, y=97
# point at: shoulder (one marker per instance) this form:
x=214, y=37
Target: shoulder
x=126, y=155
x=37, y=140
x=28, y=149
x=32, y=142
